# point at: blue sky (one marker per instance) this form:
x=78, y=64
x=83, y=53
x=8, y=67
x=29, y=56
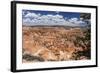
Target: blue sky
x=33, y=17
x=64, y=14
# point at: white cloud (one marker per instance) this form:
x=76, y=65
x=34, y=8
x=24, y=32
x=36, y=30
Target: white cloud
x=27, y=20
x=76, y=21
x=37, y=19
x=31, y=15
x=43, y=19
x=73, y=19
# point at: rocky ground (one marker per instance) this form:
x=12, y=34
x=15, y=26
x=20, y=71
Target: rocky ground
x=55, y=44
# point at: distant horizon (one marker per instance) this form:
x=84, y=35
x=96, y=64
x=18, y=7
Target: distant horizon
x=51, y=18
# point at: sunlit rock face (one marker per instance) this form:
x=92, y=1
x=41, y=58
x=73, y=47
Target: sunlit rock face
x=55, y=44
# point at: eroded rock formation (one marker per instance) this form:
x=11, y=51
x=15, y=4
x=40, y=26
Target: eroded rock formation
x=54, y=44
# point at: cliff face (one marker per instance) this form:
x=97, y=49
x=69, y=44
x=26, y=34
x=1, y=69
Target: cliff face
x=85, y=15
x=55, y=44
